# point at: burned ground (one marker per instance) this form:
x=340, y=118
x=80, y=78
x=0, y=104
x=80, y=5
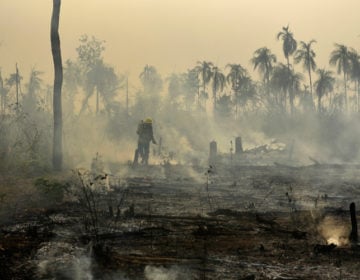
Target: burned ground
x=181, y=222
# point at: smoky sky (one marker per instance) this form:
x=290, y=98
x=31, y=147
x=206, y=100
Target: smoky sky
x=172, y=35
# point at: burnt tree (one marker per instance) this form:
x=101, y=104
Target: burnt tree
x=58, y=79
x=354, y=232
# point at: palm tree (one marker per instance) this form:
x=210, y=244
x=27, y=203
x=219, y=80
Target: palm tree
x=152, y=82
x=295, y=83
x=289, y=43
x=190, y=87
x=306, y=55
x=224, y=106
x=204, y=70
x=263, y=59
x=58, y=73
x=289, y=47
x=218, y=82
x=287, y=82
x=341, y=59
x=355, y=73
x=235, y=75
x=150, y=79
x=280, y=84
x=247, y=93
x=2, y=94
x=323, y=85
x=175, y=82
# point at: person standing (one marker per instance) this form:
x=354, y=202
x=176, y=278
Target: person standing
x=145, y=136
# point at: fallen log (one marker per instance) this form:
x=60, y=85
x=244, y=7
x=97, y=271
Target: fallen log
x=271, y=225
x=155, y=260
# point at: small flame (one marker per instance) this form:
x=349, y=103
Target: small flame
x=338, y=240
x=333, y=240
x=334, y=231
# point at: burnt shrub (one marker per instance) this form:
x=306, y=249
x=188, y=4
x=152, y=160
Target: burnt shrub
x=50, y=192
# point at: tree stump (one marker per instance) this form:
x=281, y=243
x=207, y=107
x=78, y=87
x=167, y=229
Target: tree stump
x=238, y=146
x=354, y=232
x=213, y=152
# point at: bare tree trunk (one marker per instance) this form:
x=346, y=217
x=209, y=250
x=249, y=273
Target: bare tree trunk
x=346, y=99
x=97, y=100
x=358, y=95
x=311, y=89
x=291, y=101
x=127, y=98
x=58, y=79
x=17, y=81
x=2, y=93
x=354, y=232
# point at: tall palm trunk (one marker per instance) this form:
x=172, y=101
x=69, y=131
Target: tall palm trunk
x=288, y=62
x=319, y=103
x=17, y=81
x=284, y=101
x=198, y=96
x=58, y=79
x=290, y=90
x=2, y=94
x=204, y=92
x=346, y=100
x=97, y=100
x=235, y=92
x=356, y=101
x=358, y=94
x=236, y=110
x=267, y=79
x=291, y=100
x=214, y=95
x=311, y=88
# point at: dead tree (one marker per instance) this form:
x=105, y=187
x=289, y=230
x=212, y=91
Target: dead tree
x=354, y=232
x=238, y=146
x=213, y=152
x=58, y=79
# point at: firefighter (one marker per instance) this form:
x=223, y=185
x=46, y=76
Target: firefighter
x=145, y=135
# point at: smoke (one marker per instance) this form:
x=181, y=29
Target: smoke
x=184, y=137
x=82, y=268
x=91, y=136
x=60, y=260
x=334, y=230
x=162, y=273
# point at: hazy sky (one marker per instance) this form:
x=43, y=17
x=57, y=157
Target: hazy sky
x=172, y=35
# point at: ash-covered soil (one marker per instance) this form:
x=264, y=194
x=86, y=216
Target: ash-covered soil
x=183, y=222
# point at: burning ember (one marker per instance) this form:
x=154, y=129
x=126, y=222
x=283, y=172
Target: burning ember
x=334, y=231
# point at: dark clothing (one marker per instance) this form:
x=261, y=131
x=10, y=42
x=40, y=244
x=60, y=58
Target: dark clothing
x=144, y=151
x=145, y=132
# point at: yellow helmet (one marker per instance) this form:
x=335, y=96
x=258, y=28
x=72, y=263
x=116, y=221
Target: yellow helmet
x=148, y=120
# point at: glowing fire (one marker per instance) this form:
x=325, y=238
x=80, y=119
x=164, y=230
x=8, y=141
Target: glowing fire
x=334, y=240
x=334, y=231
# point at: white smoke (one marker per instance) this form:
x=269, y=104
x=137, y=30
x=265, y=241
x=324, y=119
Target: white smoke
x=334, y=230
x=63, y=260
x=162, y=273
